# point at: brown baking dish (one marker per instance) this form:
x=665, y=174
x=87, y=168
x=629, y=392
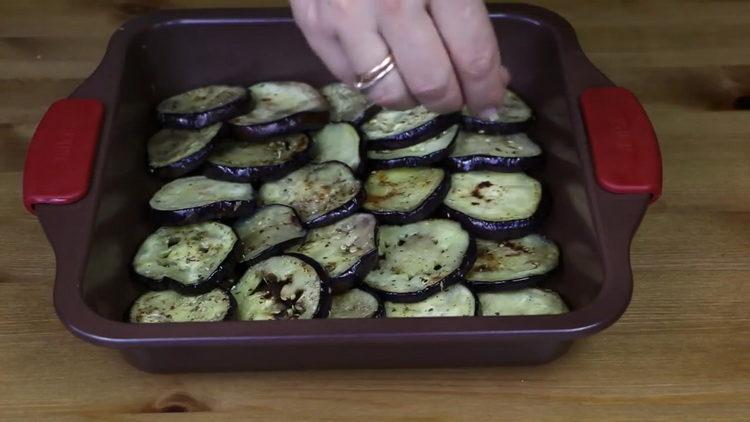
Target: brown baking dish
x=85, y=179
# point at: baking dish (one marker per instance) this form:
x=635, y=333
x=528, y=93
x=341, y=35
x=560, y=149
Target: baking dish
x=85, y=180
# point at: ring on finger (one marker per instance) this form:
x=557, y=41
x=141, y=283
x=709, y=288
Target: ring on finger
x=376, y=74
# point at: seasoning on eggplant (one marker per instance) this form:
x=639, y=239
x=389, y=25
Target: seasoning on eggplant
x=281, y=108
x=346, y=250
x=264, y=159
x=320, y=193
x=270, y=230
x=170, y=306
x=348, y=105
x=455, y=301
x=422, y=154
x=419, y=259
x=405, y=195
x=493, y=205
x=515, y=116
x=281, y=287
x=355, y=303
x=176, y=152
x=530, y=301
x=203, y=106
x=198, y=198
x=513, y=263
x=477, y=151
x=338, y=142
x=392, y=129
x=189, y=259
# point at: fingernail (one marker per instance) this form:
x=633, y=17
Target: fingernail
x=491, y=113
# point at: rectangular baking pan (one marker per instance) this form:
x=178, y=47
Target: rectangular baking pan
x=85, y=180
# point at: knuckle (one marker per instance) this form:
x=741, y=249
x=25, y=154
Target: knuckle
x=477, y=66
x=391, y=7
x=431, y=90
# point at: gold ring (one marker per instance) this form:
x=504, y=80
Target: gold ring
x=375, y=74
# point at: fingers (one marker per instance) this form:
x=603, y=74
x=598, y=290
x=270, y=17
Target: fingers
x=357, y=30
x=420, y=55
x=474, y=53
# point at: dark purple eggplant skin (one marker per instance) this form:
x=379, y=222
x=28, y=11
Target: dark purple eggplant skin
x=424, y=210
x=495, y=230
x=214, y=211
x=274, y=250
x=422, y=161
x=339, y=213
x=184, y=166
x=223, y=271
x=505, y=285
x=474, y=124
x=416, y=135
x=299, y=122
x=380, y=312
x=350, y=277
x=455, y=277
x=493, y=163
x=206, y=118
x=324, y=304
x=366, y=115
x=259, y=173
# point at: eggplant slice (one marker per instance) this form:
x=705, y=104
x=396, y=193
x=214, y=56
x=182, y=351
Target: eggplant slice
x=348, y=105
x=189, y=259
x=392, y=129
x=194, y=199
x=513, y=263
x=515, y=116
x=170, y=306
x=422, y=154
x=455, y=301
x=320, y=193
x=419, y=259
x=477, y=151
x=281, y=108
x=176, y=152
x=203, y=106
x=405, y=195
x=282, y=287
x=356, y=303
x=495, y=206
x=338, y=142
x=346, y=250
x=265, y=159
x=531, y=301
x=269, y=231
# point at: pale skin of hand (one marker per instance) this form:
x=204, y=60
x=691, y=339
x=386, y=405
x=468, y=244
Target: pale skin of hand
x=446, y=51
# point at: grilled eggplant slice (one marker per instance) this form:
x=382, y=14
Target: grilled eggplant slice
x=405, y=195
x=477, y=151
x=189, y=259
x=194, y=199
x=282, y=287
x=455, y=301
x=281, y=108
x=170, y=306
x=268, y=232
x=356, y=303
x=203, y=106
x=422, y=154
x=514, y=117
x=419, y=259
x=346, y=250
x=339, y=142
x=265, y=159
x=348, y=105
x=176, y=152
x=392, y=129
x=320, y=193
x=492, y=205
x=531, y=301
x=512, y=264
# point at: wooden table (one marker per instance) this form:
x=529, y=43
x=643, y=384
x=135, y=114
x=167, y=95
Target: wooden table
x=681, y=352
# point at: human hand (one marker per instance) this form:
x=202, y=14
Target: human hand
x=446, y=51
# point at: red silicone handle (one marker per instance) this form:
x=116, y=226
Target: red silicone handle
x=623, y=143
x=61, y=153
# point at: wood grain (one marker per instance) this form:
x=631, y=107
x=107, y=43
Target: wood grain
x=681, y=352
